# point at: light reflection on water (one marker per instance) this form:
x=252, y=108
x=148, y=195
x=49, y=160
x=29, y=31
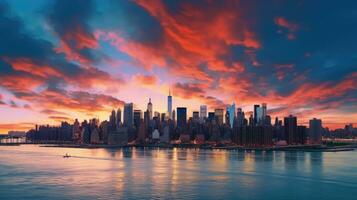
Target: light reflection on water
x=33, y=172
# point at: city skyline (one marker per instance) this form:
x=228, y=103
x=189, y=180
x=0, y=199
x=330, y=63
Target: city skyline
x=58, y=64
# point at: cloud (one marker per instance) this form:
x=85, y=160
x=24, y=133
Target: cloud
x=61, y=118
x=189, y=46
x=68, y=19
x=52, y=112
x=290, y=26
x=197, y=91
x=55, y=98
x=21, y=126
x=145, y=79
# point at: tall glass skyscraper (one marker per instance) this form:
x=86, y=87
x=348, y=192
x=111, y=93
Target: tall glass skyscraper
x=181, y=117
x=149, y=109
x=232, y=113
x=128, y=115
x=169, y=105
x=203, y=111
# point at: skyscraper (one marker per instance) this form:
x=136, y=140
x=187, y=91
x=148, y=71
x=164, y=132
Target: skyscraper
x=203, y=111
x=290, y=129
x=195, y=115
x=211, y=116
x=232, y=114
x=137, y=118
x=256, y=108
x=169, y=105
x=181, y=117
x=264, y=111
x=315, y=131
x=128, y=115
x=149, y=109
x=118, y=117
x=240, y=117
x=112, y=121
x=219, y=114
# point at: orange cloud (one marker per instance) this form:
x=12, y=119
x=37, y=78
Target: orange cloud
x=82, y=40
x=145, y=79
x=21, y=126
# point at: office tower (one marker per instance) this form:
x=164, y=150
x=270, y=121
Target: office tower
x=76, y=130
x=146, y=119
x=141, y=132
x=211, y=116
x=240, y=117
x=149, y=108
x=267, y=120
x=232, y=114
x=169, y=105
x=251, y=120
x=195, y=115
x=137, y=118
x=203, y=111
x=181, y=117
x=255, y=112
x=219, y=113
x=290, y=129
x=173, y=116
x=264, y=111
x=128, y=115
x=118, y=119
x=112, y=121
x=226, y=118
x=300, y=137
x=163, y=117
x=315, y=131
x=276, y=121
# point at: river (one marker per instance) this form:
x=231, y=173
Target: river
x=34, y=172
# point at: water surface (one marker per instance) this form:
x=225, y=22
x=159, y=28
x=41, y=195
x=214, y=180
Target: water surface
x=33, y=172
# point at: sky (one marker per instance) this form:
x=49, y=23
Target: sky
x=67, y=59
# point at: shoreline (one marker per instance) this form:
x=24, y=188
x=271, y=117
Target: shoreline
x=305, y=148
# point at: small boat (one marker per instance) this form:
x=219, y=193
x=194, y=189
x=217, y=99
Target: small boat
x=66, y=156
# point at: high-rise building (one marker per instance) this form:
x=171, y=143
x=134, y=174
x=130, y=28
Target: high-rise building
x=169, y=105
x=163, y=117
x=219, y=114
x=315, y=131
x=203, y=111
x=195, y=115
x=240, y=117
x=264, y=111
x=137, y=118
x=112, y=121
x=290, y=129
x=232, y=114
x=173, y=116
x=149, y=109
x=128, y=115
x=118, y=117
x=259, y=117
x=211, y=116
x=256, y=108
x=181, y=117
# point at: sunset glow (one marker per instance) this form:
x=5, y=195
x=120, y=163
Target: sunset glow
x=81, y=59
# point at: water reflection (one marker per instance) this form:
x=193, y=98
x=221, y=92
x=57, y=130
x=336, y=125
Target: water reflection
x=129, y=173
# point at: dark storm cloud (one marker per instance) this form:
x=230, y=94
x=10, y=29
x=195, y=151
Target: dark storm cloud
x=69, y=20
x=28, y=63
